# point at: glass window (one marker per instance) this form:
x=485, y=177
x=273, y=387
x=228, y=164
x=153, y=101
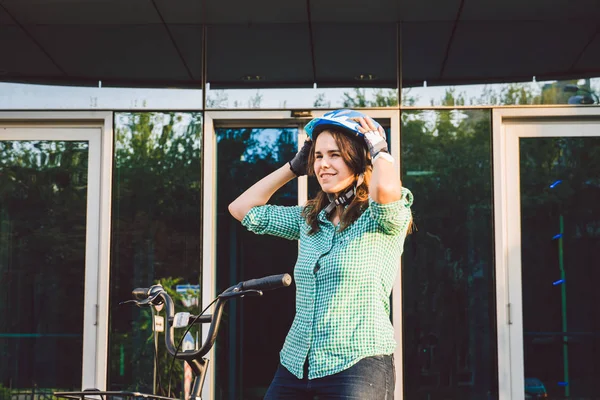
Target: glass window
x=301, y=98
x=156, y=225
x=15, y=96
x=448, y=265
x=560, y=245
x=253, y=328
x=576, y=91
x=43, y=209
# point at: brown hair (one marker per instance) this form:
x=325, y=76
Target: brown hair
x=354, y=154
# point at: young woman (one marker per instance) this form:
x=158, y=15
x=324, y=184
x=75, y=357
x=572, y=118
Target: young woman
x=351, y=235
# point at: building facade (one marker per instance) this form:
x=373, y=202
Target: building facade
x=127, y=127
x=496, y=290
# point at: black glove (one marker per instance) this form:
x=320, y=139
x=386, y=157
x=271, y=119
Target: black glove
x=300, y=160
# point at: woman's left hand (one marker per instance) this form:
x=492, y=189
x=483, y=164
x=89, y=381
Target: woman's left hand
x=299, y=163
x=374, y=137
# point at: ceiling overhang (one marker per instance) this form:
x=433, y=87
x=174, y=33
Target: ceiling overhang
x=163, y=43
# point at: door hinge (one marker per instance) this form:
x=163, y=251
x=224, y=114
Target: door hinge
x=97, y=310
x=508, y=316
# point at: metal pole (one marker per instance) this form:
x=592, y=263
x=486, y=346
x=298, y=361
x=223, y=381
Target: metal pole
x=399, y=37
x=155, y=349
x=563, y=292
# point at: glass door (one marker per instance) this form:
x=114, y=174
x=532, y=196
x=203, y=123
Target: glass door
x=49, y=258
x=244, y=147
x=552, y=195
x=255, y=326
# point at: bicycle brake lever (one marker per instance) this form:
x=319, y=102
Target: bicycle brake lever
x=153, y=300
x=128, y=301
x=153, y=297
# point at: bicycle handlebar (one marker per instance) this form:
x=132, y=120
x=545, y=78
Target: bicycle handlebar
x=156, y=295
x=267, y=283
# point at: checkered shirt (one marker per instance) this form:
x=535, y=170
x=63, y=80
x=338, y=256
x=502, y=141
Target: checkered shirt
x=343, y=283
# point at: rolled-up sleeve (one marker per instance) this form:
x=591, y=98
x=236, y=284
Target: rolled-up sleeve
x=395, y=217
x=281, y=221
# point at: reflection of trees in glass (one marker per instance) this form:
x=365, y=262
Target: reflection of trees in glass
x=448, y=271
x=449, y=344
x=155, y=228
x=140, y=341
x=517, y=93
x=5, y=393
x=321, y=101
x=559, y=182
x=448, y=285
x=448, y=264
x=247, y=154
x=253, y=328
x=381, y=98
x=220, y=99
x=43, y=199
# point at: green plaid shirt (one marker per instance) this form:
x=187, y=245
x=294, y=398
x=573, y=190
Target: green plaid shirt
x=343, y=283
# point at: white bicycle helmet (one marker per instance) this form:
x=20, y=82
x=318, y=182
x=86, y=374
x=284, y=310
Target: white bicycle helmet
x=344, y=120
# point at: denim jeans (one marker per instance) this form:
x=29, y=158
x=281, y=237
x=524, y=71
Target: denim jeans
x=372, y=378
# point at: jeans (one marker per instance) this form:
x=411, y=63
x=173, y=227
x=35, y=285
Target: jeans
x=372, y=378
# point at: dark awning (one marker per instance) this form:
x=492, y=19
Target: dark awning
x=296, y=43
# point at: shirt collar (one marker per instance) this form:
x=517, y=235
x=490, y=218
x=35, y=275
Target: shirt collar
x=322, y=217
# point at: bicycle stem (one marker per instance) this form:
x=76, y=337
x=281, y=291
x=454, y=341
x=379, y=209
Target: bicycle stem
x=195, y=358
x=211, y=334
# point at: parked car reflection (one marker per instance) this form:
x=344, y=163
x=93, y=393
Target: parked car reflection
x=535, y=389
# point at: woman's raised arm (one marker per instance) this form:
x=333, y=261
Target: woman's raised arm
x=259, y=193
x=385, y=186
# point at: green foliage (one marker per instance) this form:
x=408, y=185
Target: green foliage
x=244, y=156
x=142, y=357
x=448, y=264
x=217, y=99
x=43, y=192
x=5, y=393
x=446, y=157
x=156, y=220
x=156, y=232
x=157, y=190
x=452, y=98
x=239, y=148
x=255, y=101
x=382, y=98
x=321, y=102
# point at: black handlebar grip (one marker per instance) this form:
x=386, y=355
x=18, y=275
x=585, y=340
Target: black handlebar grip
x=268, y=282
x=140, y=293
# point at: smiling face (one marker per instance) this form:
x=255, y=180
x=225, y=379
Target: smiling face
x=331, y=170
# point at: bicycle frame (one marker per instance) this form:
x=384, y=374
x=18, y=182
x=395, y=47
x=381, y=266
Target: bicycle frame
x=156, y=295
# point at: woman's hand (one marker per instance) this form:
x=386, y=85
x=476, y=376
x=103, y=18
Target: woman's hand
x=299, y=163
x=374, y=138
x=259, y=193
x=385, y=186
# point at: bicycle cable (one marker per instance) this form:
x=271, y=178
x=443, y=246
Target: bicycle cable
x=181, y=341
x=158, y=389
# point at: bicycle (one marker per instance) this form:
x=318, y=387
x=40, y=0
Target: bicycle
x=157, y=296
